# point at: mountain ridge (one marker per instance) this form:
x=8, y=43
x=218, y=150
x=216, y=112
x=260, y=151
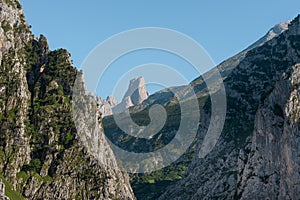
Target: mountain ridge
x=244, y=165
x=45, y=154
x=165, y=97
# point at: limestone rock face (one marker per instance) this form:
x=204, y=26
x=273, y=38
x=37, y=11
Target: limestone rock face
x=121, y=107
x=106, y=105
x=114, y=184
x=271, y=170
x=134, y=96
x=41, y=154
x=137, y=91
x=257, y=156
x=14, y=33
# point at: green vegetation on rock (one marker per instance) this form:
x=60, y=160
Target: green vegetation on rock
x=9, y=191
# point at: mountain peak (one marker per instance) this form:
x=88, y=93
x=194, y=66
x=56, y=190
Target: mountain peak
x=278, y=29
x=137, y=90
x=272, y=33
x=135, y=95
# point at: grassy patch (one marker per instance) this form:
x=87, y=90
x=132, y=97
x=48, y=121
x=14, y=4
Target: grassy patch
x=151, y=181
x=23, y=175
x=9, y=191
x=6, y=27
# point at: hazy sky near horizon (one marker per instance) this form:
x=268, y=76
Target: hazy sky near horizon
x=223, y=28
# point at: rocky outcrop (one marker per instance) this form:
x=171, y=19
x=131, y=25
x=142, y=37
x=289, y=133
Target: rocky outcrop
x=257, y=154
x=121, y=107
x=106, y=105
x=41, y=153
x=14, y=145
x=134, y=96
x=113, y=182
x=136, y=91
x=271, y=169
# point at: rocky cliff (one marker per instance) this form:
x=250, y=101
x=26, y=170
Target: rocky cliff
x=15, y=96
x=271, y=169
x=137, y=91
x=41, y=153
x=106, y=105
x=134, y=96
x=257, y=154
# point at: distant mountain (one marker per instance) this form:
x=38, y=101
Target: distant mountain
x=166, y=97
x=134, y=96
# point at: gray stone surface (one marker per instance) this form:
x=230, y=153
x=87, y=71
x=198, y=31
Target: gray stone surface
x=137, y=91
x=135, y=95
x=106, y=105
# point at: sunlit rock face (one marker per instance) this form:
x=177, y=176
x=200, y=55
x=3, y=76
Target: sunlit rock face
x=137, y=91
x=135, y=95
x=41, y=154
x=106, y=105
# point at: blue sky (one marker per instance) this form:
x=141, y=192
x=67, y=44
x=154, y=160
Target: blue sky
x=223, y=28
